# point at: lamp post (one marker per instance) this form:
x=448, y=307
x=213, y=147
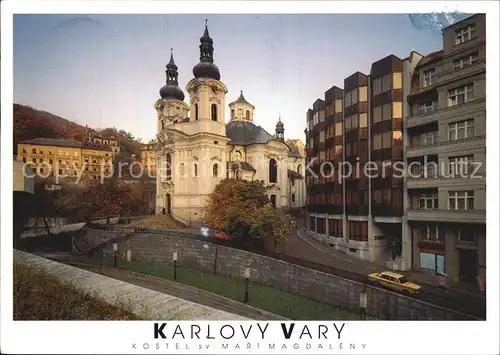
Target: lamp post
x=246, y=275
x=363, y=303
x=174, y=258
x=115, y=255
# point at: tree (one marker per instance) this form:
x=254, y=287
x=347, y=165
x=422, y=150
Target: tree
x=242, y=208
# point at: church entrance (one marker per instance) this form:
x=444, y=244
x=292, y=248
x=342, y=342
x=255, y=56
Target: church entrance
x=272, y=198
x=169, y=203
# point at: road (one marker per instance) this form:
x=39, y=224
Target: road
x=301, y=246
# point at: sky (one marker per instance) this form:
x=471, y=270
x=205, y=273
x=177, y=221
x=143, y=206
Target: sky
x=106, y=70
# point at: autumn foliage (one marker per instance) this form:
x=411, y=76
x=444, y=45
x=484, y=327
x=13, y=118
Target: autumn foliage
x=242, y=208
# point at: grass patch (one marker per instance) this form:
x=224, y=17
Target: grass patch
x=260, y=296
x=40, y=296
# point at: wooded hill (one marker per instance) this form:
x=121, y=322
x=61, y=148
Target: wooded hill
x=30, y=123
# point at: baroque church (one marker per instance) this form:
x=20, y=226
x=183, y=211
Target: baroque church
x=196, y=148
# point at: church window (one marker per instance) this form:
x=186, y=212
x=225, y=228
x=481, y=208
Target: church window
x=232, y=114
x=196, y=112
x=215, y=170
x=299, y=168
x=240, y=113
x=214, y=112
x=273, y=171
x=247, y=114
x=162, y=124
x=169, y=167
x=272, y=198
x=237, y=155
x=195, y=170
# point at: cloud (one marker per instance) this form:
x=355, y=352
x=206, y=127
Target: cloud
x=77, y=21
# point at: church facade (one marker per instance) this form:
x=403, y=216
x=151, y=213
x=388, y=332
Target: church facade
x=196, y=149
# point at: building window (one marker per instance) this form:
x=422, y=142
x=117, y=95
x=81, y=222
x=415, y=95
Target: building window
x=33, y=160
x=169, y=166
x=214, y=112
x=431, y=232
x=465, y=34
x=363, y=94
x=428, y=201
x=387, y=139
x=465, y=61
x=460, y=166
x=293, y=197
x=33, y=150
x=232, y=114
x=196, y=112
x=273, y=171
x=363, y=120
x=338, y=106
x=397, y=80
x=299, y=168
x=247, y=115
x=377, y=86
x=377, y=114
x=237, y=155
x=427, y=107
x=181, y=170
x=397, y=110
x=377, y=141
x=386, y=112
x=215, y=170
x=467, y=235
x=338, y=129
x=386, y=82
x=461, y=130
x=24, y=159
x=429, y=77
x=461, y=200
x=272, y=199
x=424, y=139
x=195, y=170
x=461, y=95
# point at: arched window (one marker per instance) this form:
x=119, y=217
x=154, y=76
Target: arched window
x=247, y=114
x=273, y=171
x=162, y=124
x=195, y=170
x=169, y=167
x=215, y=170
x=196, y=112
x=214, y=112
x=240, y=113
x=232, y=113
x=299, y=168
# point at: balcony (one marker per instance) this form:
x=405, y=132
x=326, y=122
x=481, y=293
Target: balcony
x=447, y=146
x=452, y=216
x=446, y=112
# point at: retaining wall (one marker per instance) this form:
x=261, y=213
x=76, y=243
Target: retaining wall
x=146, y=303
x=285, y=276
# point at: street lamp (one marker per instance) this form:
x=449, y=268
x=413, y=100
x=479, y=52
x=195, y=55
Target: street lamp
x=174, y=258
x=246, y=275
x=363, y=303
x=115, y=255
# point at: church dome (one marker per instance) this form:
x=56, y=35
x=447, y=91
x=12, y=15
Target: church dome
x=171, y=92
x=206, y=70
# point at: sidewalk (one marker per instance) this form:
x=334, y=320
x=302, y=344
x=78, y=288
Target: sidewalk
x=361, y=266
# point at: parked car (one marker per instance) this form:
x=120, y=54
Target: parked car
x=221, y=235
x=394, y=281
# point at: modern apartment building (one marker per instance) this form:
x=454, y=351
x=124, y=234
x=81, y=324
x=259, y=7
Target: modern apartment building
x=405, y=113
x=446, y=126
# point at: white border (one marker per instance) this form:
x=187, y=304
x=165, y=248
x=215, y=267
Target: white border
x=383, y=337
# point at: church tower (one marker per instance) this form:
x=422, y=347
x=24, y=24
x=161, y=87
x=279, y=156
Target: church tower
x=206, y=92
x=280, y=131
x=241, y=109
x=171, y=107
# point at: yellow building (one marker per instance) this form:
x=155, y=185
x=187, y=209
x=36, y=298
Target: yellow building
x=148, y=157
x=65, y=158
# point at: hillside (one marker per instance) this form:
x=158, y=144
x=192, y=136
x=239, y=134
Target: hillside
x=30, y=123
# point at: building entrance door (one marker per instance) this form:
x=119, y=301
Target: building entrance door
x=468, y=267
x=169, y=203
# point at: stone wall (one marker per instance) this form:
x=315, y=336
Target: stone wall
x=285, y=276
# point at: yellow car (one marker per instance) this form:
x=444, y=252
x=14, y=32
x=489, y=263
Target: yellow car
x=394, y=281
